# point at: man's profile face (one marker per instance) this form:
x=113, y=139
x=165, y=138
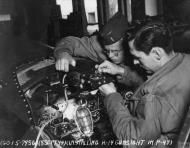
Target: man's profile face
x=115, y=52
x=148, y=62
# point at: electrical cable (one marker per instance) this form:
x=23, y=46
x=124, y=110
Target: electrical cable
x=63, y=81
x=43, y=126
x=41, y=130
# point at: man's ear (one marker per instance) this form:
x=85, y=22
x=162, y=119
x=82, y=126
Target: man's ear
x=157, y=52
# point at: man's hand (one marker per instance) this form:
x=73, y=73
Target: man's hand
x=63, y=61
x=108, y=67
x=107, y=89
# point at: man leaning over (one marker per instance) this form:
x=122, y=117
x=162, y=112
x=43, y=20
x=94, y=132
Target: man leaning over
x=162, y=100
x=106, y=48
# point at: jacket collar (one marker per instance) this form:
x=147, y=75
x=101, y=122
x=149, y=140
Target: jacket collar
x=168, y=67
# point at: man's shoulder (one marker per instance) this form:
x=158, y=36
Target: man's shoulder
x=186, y=56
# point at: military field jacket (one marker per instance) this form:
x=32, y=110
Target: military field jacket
x=89, y=47
x=159, y=108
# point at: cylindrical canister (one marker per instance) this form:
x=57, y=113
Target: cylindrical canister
x=84, y=120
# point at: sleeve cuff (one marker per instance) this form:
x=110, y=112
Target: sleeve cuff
x=113, y=98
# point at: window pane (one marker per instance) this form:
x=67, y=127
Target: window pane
x=113, y=7
x=91, y=15
x=91, y=11
x=66, y=7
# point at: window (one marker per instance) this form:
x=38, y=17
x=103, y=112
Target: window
x=91, y=15
x=66, y=7
x=113, y=7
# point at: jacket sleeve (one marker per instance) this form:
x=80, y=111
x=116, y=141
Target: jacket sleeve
x=86, y=47
x=144, y=126
x=131, y=78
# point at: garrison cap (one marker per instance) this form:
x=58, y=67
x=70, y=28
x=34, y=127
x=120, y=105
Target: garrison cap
x=114, y=30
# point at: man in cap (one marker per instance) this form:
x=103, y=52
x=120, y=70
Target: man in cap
x=106, y=48
x=161, y=102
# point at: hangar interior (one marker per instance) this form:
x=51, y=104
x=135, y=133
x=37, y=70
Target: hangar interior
x=30, y=29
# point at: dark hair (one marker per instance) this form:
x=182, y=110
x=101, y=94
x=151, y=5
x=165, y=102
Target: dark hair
x=153, y=34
